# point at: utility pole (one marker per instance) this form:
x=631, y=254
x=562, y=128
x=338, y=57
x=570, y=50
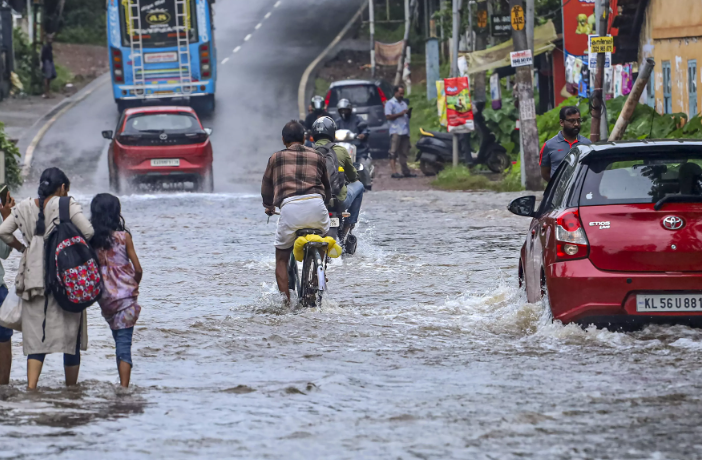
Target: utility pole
x=525, y=93
x=598, y=93
x=455, y=31
x=371, y=21
x=401, y=61
x=479, y=79
x=602, y=30
x=530, y=25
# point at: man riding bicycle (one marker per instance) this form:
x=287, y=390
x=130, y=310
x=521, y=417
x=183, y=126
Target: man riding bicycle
x=296, y=181
x=351, y=194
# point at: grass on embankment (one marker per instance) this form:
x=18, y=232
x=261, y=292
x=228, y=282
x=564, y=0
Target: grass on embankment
x=460, y=178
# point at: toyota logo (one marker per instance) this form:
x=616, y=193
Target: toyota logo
x=163, y=136
x=673, y=222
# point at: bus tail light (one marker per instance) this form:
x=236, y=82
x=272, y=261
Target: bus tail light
x=205, y=56
x=117, y=65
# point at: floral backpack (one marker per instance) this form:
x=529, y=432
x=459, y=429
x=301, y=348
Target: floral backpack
x=72, y=270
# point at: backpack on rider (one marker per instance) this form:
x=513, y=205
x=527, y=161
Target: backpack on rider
x=326, y=128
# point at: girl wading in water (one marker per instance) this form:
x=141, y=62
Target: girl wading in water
x=56, y=330
x=121, y=275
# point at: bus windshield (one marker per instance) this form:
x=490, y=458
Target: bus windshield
x=158, y=22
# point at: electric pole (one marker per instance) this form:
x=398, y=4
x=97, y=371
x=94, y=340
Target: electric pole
x=598, y=101
x=455, y=32
x=525, y=94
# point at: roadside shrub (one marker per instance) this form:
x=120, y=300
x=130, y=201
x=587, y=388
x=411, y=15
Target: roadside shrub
x=13, y=177
x=461, y=178
x=26, y=63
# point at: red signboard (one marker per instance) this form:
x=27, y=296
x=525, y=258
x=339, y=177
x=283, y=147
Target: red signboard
x=579, y=21
x=459, y=108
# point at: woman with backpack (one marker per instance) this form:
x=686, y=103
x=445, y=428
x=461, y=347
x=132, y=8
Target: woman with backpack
x=46, y=326
x=121, y=274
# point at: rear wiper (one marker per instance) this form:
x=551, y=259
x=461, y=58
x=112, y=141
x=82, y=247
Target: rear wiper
x=154, y=131
x=677, y=199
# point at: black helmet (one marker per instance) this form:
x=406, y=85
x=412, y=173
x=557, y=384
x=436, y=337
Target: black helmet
x=323, y=128
x=317, y=103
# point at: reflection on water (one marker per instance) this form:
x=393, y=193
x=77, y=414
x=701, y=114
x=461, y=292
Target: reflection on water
x=424, y=348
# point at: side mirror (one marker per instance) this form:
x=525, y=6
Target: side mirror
x=107, y=134
x=208, y=131
x=523, y=206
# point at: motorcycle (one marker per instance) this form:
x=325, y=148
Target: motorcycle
x=337, y=216
x=360, y=155
x=436, y=150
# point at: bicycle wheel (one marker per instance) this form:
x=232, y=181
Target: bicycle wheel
x=311, y=294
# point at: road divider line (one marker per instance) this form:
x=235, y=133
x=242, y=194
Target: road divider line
x=301, y=102
x=236, y=50
x=247, y=38
x=29, y=153
x=258, y=26
x=224, y=61
x=268, y=15
x=277, y=4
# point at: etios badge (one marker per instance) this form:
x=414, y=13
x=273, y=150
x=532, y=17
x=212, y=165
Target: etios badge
x=673, y=222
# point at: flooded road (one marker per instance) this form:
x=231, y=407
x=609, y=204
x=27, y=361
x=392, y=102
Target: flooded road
x=424, y=349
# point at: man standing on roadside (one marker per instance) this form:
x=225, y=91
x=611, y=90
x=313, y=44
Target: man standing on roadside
x=555, y=149
x=297, y=182
x=5, y=333
x=398, y=114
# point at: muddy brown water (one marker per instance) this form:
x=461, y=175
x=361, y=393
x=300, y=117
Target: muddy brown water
x=424, y=348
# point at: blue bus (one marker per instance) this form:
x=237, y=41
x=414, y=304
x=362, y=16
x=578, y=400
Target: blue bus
x=162, y=50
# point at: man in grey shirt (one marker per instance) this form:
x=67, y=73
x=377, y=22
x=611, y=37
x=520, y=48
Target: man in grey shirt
x=5, y=333
x=556, y=148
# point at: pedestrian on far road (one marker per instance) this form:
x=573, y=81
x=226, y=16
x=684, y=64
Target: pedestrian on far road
x=555, y=149
x=46, y=327
x=5, y=333
x=48, y=69
x=397, y=112
x=121, y=274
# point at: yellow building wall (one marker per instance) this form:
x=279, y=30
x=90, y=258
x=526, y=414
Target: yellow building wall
x=668, y=35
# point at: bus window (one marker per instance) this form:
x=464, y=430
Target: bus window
x=158, y=22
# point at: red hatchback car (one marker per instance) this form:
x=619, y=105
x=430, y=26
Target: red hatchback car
x=160, y=144
x=617, y=238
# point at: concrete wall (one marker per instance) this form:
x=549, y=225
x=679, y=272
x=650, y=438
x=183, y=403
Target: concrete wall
x=672, y=31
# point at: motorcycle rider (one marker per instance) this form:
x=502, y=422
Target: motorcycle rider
x=318, y=110
x=351, y=195
x=349, y=120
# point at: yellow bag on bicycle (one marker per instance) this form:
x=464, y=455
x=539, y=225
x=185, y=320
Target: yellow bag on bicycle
x=333, y=248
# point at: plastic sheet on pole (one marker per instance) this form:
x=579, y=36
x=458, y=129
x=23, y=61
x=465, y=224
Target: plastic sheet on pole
x=388, y=53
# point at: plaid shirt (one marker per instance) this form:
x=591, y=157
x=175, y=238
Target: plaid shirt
x=295, y=171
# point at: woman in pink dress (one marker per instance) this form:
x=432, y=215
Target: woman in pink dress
x=121, y=274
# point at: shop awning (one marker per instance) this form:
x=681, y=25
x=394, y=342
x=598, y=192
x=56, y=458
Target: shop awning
x=498, y=56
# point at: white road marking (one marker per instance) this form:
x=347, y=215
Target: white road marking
x=258, y=26
x=268, y=15
x=277, y=4
x=247, y=38
x=224, y=61
x=236, y=50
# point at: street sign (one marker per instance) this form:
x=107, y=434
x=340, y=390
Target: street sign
x=500, y=25
x=602, y=45
x=518, y=21
x=592, y=57
x=520, y=58
x=482, y=19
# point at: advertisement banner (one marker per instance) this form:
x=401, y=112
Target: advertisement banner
x=459, y=108
x=579, y=22
x=441, y=103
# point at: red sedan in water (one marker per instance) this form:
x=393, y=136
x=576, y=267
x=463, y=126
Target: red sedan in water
x=157, y=144
x=617, y=238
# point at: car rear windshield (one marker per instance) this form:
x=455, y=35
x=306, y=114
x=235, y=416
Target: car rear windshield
x=162, y=122
x=643, y=180
x=359, y=95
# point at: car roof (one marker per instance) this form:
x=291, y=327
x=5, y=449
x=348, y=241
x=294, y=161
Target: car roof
x=160, y=109
x=646, y=146
x=351, y=83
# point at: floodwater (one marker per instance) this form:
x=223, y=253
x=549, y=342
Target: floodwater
x=424, y=348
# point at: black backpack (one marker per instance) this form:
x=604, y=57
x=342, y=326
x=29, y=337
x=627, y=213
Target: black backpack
x=336, y=177
x=72, y=272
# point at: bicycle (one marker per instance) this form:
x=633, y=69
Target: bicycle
x=311, y=285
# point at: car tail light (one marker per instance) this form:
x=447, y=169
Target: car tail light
x=327, y=98
x=117, y=67
x=128, y=140
x=205, y=69
x=197, y=137
x=383, y=97
x=571, y=241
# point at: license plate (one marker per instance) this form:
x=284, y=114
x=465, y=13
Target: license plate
x=155, y=58
x=334, y=222
x=363, y=116
x=165, y=162
x=668, y=302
